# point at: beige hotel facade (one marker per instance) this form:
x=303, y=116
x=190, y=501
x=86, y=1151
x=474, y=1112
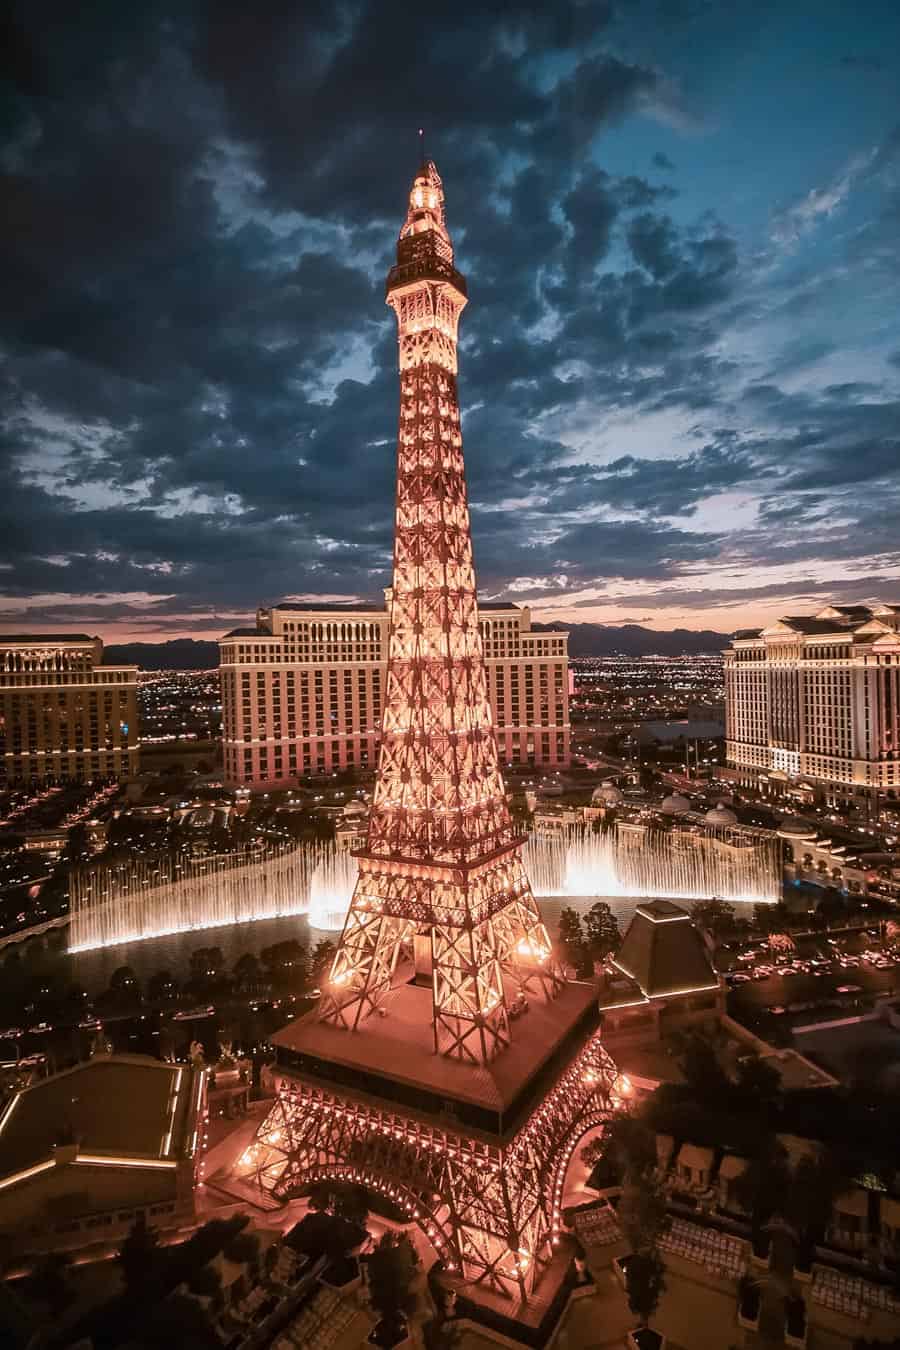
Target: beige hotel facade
x=817, y=699
x=64, y=716
x=302, y=691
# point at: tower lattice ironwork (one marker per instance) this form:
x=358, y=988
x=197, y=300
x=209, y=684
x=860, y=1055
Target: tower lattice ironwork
x=469, y=1128
x=442, y=867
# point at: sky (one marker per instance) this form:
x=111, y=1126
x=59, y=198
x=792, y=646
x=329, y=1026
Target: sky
x=679, y=365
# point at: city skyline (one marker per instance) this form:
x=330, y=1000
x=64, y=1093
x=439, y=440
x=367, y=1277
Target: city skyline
x=682, y=375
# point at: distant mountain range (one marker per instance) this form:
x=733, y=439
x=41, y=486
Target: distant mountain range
x=588, y=639
x=600, y=639
x=177, y=654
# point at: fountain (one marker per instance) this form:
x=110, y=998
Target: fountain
x=738, y=865
x=157, y=897
x=330, y=891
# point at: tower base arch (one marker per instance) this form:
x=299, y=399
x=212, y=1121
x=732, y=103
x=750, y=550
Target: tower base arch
x=490, y=1206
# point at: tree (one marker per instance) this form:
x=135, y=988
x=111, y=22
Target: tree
x=832, y=908
x=178, y=1320
x=392, y=1269
x=323, y=955
x=779, y=917
x=51, y=1282
x=643, y=1212
x=814, y=1183
x=124, y=991
x=285, y=964
x=715, y=917
x=706, y=1079
x=762, y=917
x=344, y=1199
x=124, y=981
x=322, y=1234
x=758, y=1082
x=247, y=970
x=162, y=987
x=645, y=1282
x=139, y=1254
x=206, y=1282
x=207, y=965
x=602, y=930
x=243, y=1249
x=77, y=849
x=631, y=1144
x=761, y=1188
x=571, y=940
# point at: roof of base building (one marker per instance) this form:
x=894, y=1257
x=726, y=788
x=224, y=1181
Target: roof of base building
x=336, y=606
x=400, y=1046
x=46, y=637
x=801, y=624
x=663, y=952
x=346, y=606
x=125, y=1105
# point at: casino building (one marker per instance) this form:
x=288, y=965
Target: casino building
x=64, y=716
x=87, y=1151
x=817, y=698
x=302, y=691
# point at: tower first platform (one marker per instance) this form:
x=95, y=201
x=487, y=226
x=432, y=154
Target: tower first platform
x=449, y=1063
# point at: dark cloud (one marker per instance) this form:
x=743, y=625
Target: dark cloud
x=652, y=240
x=198, y=204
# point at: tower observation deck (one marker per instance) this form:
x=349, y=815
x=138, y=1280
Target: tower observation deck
x=419, y=1071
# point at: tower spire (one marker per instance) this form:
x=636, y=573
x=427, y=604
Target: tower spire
x=441, y=882
x=471, y=1139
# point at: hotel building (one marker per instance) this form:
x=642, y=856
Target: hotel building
x=86, y=1152
x=818, y=699
x=302, y=691
x=63, y=716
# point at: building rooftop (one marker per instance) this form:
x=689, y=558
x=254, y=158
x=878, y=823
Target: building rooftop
x=858, y=623
x=801, y=624
x=125, y=1105
x=6, y=638
x=400, y=1045
x=340, y=606
x=663, y=952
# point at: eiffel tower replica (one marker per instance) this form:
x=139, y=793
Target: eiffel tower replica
x=449, y=1065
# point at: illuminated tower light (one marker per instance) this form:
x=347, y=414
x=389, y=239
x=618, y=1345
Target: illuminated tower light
x=442, y=874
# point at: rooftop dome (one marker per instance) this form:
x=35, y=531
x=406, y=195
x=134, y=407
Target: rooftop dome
x=607, y=794
x=675, y=805
x=720, y=816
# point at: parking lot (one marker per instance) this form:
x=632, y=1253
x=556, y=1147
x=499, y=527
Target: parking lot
x=822, y=975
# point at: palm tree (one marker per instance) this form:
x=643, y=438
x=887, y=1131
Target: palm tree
x=814, y=1183
x=645, y=1283
x=761, y=1188
x=392, y=1268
